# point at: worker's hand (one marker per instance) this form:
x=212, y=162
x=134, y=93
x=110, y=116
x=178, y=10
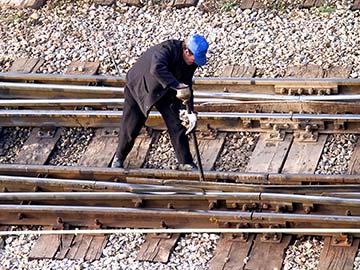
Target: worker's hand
x=192, y=122
x=183, y=92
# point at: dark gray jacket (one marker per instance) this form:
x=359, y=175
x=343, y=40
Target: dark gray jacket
x=159, y=68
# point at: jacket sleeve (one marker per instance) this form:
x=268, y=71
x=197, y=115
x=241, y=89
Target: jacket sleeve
x=159, y=67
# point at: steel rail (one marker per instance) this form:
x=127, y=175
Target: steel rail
x=29, y=184
x=89, y=102
x=204, y=115
x=31, y=90
x=215, y=120
x=297, y=231
x=63, y=88
x=183, y=196
x=322, y=189
x=151, y=218
x=63, y=78
x=36, y=90
x=160, y=177
x=20, y=183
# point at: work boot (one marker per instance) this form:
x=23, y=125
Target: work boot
x=117, y=163
x=188, y=167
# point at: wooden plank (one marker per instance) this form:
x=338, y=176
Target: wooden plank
x=104, y=2
x=354, y=163
x=246, y=4
x=185, y=3
x=38, y=147
x=66, y=241
x=259, y=4
x=307, y=4
x=336, y=257
x=138, y=153
x=266, y=255
x=45, y=247
x=132, y=2
x=320, y=3
x=338, y=72
x=3, y=228
x=157, y=249
x=307, y=71
x=101, y=149
x=98, y=243
x=80, y=246
x=26, y=65
x=269, y=156
x=209, y=150
x=83, y=68
x=230, y=254
x=304, y=157
x=355, y=5
x=239, y=71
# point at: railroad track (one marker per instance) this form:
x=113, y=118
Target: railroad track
x=277, y=189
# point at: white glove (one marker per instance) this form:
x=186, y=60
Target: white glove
x=192, y=122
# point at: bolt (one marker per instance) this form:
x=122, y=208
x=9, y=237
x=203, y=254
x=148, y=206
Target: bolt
x=276, y=237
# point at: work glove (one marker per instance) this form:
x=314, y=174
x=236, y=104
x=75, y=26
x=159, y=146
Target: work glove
x=192, y=117
x=183, y=93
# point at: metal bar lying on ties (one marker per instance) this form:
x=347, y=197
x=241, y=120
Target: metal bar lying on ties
x=179, y=195
x=187, y=231
x=115, y=215
x=58, y=87
x=13, y=76
x=220, y=115
x=48, y=183
x=110, y=174
x=251, y=96
x=88, y=101
x=62, y=78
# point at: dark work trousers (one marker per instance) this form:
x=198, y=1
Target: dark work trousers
x=133, y=120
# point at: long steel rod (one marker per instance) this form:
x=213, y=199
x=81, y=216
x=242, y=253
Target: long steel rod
x=209, y=80
x=90, y=101
x=58, y=87
x=234, y=216
x=31, y=87
x=49, y=183
x=205, y=115
x=130, y=175
x=184, y=196
x=187, y=231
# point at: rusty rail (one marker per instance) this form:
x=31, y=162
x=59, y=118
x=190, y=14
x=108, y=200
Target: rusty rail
x=165, y=177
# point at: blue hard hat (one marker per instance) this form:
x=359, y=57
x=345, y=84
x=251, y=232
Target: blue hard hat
x=198, y=45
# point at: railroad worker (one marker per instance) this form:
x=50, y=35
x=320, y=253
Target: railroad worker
x=162, y=77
